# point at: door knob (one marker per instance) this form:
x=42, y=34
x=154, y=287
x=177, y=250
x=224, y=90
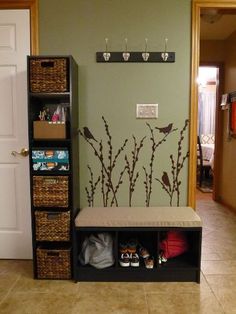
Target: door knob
x=24, y=152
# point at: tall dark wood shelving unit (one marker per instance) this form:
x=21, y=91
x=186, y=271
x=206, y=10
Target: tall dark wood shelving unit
x=37, y=100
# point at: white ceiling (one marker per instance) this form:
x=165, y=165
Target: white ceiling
x=219, y=30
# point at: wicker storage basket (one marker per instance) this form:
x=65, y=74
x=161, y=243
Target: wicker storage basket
x=48, y=75
x=50, y=191
x=52, y=226
x=53, y=263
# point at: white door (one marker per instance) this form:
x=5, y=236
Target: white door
x=15, y=221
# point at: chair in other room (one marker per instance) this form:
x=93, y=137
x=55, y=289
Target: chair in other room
x=203, y=166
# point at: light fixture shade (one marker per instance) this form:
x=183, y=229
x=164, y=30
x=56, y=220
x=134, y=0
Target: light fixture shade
x=210, y=16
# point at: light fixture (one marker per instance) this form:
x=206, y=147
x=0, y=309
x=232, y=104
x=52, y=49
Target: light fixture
x=210, y=15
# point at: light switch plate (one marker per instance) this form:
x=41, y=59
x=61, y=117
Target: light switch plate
x=147, y=111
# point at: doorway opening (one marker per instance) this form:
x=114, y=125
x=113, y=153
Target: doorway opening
x=207, y=99
x=221, y=13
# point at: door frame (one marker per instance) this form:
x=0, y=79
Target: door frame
x=32, y=6
x=196, y=7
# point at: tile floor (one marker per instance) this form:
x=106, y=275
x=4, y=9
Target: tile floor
x=20, y=294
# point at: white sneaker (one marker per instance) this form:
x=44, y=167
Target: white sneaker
x=134, y=260
x=124, y=260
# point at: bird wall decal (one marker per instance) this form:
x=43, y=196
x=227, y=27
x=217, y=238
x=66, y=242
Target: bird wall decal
x=88, y=134
x=165, y=179
x=165, y=129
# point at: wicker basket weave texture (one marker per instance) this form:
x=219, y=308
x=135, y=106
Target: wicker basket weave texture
x=50, y=191
x=52, y=226
x=48, y=75
x=53, y=264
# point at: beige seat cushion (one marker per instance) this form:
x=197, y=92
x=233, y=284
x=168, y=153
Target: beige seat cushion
x=137, y=217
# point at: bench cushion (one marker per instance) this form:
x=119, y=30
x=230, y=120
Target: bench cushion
x=137, y=217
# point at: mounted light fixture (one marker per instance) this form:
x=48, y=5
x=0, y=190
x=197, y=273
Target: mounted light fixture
x=210, y=15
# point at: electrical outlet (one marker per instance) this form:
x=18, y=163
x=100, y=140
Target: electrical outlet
x=147, y=111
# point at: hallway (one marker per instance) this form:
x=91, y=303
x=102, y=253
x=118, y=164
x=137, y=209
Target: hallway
x=20, y=294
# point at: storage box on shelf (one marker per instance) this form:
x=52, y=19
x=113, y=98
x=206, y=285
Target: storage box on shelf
x=50, y=159
x=49, y=130
x=53, y=145
x=148, y=227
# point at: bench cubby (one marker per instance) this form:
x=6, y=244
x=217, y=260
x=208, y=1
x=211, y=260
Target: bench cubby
x=149, y=232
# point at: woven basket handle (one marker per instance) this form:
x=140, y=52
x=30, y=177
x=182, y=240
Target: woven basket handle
x=52, y=253
x=47, y=64
x=50, y=180
x=52, y=216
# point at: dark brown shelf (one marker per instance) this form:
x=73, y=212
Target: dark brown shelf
x=37, y=101
x=65, y=95
x=51, y=173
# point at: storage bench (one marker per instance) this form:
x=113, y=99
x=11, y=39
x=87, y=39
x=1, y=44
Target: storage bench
x=148, y=224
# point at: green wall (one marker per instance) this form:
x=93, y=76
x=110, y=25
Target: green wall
x=78, y=28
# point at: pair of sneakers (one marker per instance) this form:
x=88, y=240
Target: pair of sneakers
x=127, y=260
x=128, y=247
x=148, y=260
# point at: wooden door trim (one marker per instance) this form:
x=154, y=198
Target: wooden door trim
x=196, y=7
x=32, y=6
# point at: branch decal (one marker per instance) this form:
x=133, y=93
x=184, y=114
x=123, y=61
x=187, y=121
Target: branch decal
x=172, y=188
x=113, y=173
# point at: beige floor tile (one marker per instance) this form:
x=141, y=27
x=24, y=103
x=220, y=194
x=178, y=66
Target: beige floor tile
x=124, y=303
x=210, y=256
x=56, y=304
x=26, y=284
x=3, y=295
x=224, y=288
x=111, y=288
x=21, y=304
x=186, y=303
x=17, y=266
x=7, y=281
x=218, y=267
x=176, y=287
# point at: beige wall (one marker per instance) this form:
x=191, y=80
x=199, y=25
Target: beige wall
x=225, y=51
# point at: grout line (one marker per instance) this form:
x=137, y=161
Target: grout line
x=145, y=296
x=10, y=289
x=221, y=306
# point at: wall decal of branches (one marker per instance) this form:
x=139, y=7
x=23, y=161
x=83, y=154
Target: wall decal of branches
x=93, y=186
x=108, y=188
x=108, y=158
x=166, y=131
x=176, y=166
x=131, y=166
